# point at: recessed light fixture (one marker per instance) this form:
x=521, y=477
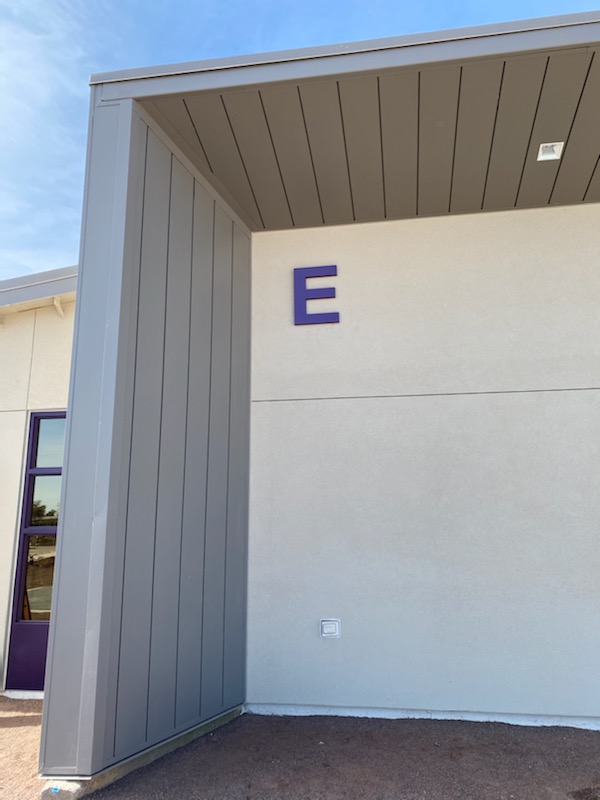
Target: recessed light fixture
x=550, y=151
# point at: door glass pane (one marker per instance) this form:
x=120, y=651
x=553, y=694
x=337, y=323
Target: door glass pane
x=37, y=594
x=46, y=499
x=51, y=442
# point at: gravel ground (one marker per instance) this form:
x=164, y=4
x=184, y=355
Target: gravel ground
x=20, y=722
x=336, y=758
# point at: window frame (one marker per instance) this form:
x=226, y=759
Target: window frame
x=31, y=472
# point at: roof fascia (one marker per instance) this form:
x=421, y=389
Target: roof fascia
x=567, y=31
x=39, y=286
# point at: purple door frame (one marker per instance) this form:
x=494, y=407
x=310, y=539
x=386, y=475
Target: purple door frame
x=29, y=638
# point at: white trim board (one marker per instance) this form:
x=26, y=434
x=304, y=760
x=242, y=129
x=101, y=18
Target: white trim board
x=532, y=720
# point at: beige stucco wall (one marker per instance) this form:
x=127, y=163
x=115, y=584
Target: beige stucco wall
x=427, y=470
x=35, y=357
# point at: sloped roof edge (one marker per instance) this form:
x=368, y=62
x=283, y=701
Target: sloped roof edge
x=40, y=285
x=553, y=25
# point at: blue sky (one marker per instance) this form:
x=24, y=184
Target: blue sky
x=48, y=49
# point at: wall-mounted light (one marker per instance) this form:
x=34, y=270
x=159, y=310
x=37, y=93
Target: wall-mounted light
x=550, y=151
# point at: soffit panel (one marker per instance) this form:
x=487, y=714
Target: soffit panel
x=438, y=109
x=176, y=111
x=581, y=154
x=217, y=140
x=563, y=85
x=522, y=82
x=399, y=108
x=457, y=138
x=479, y=96
x=360, y=108
x=592, y=194
x=283, y=113
x=325, y=133
x=247, y=119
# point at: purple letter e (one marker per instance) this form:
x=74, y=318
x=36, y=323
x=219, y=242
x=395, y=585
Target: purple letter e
x=302, y=295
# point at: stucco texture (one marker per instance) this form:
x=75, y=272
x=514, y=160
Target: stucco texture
x=35, y=359
x=427, y=470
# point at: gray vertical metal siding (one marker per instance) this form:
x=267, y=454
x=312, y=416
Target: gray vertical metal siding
x=136, y=613
x=236, y=555
x=174, y=651
x=173, y=666
x=191, y=593
x=218, y=465
x=88, y=559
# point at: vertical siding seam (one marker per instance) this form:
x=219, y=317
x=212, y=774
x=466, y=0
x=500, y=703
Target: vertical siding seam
x=587, y=188
x=212, y=310
x=562, y=159
x=287, y=199
x=132, y=418
x=381, y=148
x=197, y=135
x=160, y=431
x=460, y=74
x=418, y=139
x=537, y=107
x=487, y=170
x=339, y=94
x=187, y=416
x=310, y=153
x=242, y=160
x=228, y=465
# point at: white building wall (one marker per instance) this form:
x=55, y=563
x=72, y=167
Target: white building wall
x=427, y=470
x=35, y=358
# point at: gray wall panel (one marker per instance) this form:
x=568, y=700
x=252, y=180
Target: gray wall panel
x=89, y=536
x=218, y=458
x=156, y=509
x=136, y=622
x=117, y=512
x=234, y=645
x=189, y=661
x=169, y=509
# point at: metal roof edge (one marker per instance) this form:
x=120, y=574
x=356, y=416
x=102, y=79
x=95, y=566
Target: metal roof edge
x=349, y=48
x=37, y=286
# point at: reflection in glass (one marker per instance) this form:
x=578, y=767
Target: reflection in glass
x=37, y=594
x=46, y=499
x=51, y=442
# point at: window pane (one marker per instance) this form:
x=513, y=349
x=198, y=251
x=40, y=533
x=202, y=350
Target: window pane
x=41, y=551
x=51, y=442
x=46, y=499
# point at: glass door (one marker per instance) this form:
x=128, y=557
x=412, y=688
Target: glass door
x=37, y=550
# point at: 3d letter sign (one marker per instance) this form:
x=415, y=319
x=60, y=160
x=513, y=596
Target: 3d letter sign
x=302, y=294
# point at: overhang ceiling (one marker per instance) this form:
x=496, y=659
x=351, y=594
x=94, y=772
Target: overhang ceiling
x=456, y=136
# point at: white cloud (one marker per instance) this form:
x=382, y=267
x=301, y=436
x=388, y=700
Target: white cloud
x=43, y=116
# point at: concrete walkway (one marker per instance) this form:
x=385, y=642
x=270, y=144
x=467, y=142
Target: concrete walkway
x=335, y=758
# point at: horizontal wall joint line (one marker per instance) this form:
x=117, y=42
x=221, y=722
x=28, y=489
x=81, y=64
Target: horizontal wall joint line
x=426, y=394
